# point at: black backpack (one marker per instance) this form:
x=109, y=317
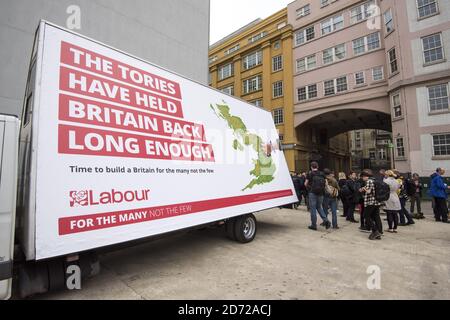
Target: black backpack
x=382, y=191
x=318, y=183
x=346, y=192
x=410, y=187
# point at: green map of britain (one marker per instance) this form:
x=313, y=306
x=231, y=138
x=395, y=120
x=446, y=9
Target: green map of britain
x=264, y=166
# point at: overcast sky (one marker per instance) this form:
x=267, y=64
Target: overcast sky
x=229, y=15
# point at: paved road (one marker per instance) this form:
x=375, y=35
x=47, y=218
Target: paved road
x=286, y=261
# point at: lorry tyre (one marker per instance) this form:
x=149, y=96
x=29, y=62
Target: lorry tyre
x=229, y=229
x=245, y=228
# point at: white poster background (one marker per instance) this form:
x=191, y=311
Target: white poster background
x=55, y=181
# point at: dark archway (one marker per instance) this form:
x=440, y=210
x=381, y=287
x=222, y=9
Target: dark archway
x=325, y=135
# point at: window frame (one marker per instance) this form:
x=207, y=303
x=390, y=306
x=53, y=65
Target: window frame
x=446, y=84
x=304, y=11
x=391, y=21
x=335, y=86
x=363, y=78
x=397, y=148
x=392, y=61
x=307, y=92
x=366, y=44
x=441, y=47
x=440, y=145
x=279, y=89
x=332, y=24
x=222, y=67
x=258, y=60
x=333, y=54
x=306, y=63
x=246, y=84
x=305, y=35
x=428, y=15
x=394, y=106
x=276, y=63
x=382, y=73
x=363, y=13
x=278, y=116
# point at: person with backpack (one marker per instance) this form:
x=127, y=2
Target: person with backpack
x=350, y=195
x=371, y=205
x=365, y=222
x=303, y=191
x=415, y=195
x=392, y=205
x=296, y=182
x=438, y=191
x=315, y=183
x=341, y=182
x=331, y=196
x=404, y=213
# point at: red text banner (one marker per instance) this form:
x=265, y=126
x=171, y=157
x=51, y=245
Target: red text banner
x=96, y=142
x=78, y=224
x=79, y=110
x=95, y=87
x=85, y=59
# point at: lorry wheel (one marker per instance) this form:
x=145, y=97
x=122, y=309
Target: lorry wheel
x=229, y=229
x=245, y=228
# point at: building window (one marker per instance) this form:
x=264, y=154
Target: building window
x=441, y=144
x=400, y=146
x=306, y=93
x=304, y=35
x=360, y=78
x=281, y=137
x=233, y=49
x=393, y=61
x=372, y=155
x=278, y=116
x=277, y=45
x=278, y=89
x=228, y=90
x=382, y=154
x=332, y=24
x=396, y=105
x=252, y=60
x=213, y=59
x=362, y=12
x=368, y=43
x=334, y=86
x=277, y=63
x=307, y=63
x=257, y=37
x=257, y=103
x=438, y=98
x=252, y=84
x=432, y=48
x=226, y=71
x=389, y=21
x=377, y=73
x=427, y=8
x=304, y=11
x=334, y=54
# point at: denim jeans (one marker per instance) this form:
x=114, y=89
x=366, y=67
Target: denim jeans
x=404, y=212
x=331, y=203
x=315, y=204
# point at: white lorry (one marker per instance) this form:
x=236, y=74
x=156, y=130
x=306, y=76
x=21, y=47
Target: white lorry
x=114, y=149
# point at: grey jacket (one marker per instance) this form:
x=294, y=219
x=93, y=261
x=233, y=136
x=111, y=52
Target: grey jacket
x=393, y=204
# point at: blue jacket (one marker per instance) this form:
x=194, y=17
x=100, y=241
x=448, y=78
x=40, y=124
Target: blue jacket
x=438, y=187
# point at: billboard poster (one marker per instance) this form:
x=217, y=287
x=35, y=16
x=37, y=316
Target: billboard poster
x=128, y=150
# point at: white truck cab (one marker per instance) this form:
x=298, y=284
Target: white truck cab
x=9, y=142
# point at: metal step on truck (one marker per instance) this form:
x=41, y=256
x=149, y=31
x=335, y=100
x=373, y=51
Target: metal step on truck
x=111, y=149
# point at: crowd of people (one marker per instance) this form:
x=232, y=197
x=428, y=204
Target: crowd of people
x=369, y=195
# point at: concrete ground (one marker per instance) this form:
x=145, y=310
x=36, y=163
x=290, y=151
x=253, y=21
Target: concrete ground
x=286, y=261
